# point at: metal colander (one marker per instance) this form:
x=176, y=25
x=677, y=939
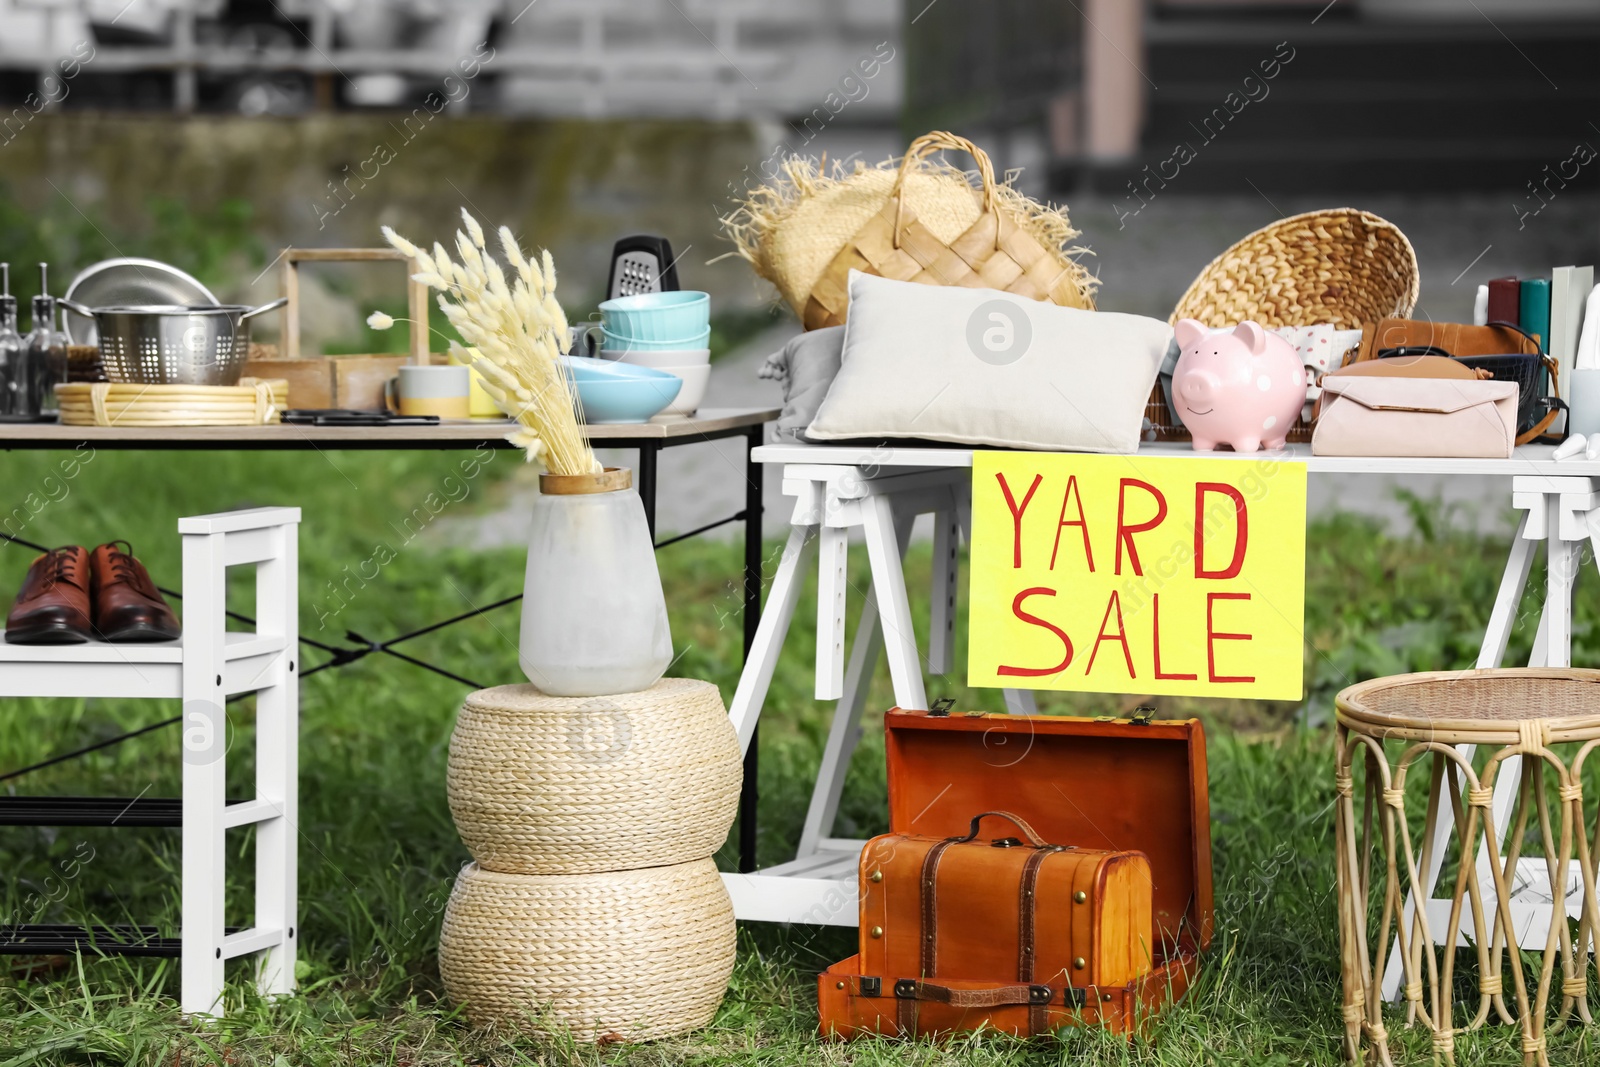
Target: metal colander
x=173, y=345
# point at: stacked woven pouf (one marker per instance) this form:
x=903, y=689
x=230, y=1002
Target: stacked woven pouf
x=592, y=821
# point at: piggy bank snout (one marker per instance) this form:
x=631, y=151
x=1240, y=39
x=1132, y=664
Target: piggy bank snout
x=1199, y=388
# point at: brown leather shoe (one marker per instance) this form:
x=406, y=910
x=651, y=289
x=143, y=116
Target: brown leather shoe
x=127, y=604
x=53, y=606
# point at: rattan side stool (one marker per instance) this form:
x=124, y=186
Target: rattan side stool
x=1520, y=856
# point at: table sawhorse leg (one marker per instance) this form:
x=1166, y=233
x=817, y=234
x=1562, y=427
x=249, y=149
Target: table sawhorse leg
x=845, y=732
x=756, y=678
x=951, y=519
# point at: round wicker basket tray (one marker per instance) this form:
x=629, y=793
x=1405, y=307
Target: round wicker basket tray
x=253, y=402
x=635, y=955
x=1339, y=265
x=561, y=785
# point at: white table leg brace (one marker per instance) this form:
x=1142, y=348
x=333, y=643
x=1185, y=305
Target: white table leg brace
x=818, y=885
x=1563, y=512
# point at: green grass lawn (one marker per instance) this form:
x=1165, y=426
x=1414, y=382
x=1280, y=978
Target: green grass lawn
x=379, y=853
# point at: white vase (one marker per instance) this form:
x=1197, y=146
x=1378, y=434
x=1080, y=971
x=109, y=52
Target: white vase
x=594, y=621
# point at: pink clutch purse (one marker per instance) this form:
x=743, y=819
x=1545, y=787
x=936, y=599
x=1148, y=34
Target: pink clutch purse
x=1388, y=416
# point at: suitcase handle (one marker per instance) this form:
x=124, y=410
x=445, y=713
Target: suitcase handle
x=1004, y=996
x=1027, y=831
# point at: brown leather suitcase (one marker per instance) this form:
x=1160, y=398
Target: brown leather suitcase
x=1022, y=927
x=1114, y=788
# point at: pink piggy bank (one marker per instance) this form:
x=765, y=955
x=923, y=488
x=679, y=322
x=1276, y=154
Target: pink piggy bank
x=1244, y=388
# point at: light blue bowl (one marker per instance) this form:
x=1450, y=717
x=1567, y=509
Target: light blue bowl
x=611, y=342
x=674, y=316
x=591, y=368
x=612, y=393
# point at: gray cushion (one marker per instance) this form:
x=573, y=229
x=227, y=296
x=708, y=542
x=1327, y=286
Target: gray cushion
x=806, y=367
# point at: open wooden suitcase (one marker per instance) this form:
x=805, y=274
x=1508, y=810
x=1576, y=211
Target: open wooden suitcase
x=1099, y=784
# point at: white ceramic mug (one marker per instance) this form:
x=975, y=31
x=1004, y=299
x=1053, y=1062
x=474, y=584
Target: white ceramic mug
x=440, y=390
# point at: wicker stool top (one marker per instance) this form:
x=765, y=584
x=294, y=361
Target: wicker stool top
x=1475, y=707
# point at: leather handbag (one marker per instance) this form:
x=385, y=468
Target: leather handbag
x=1011, y=933
x=1456, y=338
x=1507, y=351
x=1380, y=415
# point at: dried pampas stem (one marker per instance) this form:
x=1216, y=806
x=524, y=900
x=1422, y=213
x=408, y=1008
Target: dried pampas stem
x=514, y=331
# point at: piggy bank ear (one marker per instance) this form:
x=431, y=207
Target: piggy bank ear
x=1188, y=332
x=1254, y=337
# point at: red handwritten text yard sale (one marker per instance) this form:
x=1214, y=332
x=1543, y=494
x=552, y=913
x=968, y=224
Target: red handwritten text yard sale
x=1146, y=575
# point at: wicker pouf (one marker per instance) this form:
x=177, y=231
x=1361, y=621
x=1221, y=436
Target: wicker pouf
x=635, y=955
x=1402, y=734
x=566, y=785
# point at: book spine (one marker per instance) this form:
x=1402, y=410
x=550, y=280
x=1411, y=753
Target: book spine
x=1504, y=300
x=1533, y=313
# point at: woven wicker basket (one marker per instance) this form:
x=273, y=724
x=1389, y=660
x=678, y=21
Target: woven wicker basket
x=636, y=955
x=1341, y=265
x=253, y=402
x=919, y=222
x=553, y=785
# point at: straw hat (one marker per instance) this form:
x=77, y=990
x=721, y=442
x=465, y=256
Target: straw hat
x=913, y=219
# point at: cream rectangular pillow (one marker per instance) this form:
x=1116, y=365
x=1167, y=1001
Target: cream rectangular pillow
x=983, y=367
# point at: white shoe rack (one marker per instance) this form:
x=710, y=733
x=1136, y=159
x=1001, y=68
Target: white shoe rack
x=203, y=669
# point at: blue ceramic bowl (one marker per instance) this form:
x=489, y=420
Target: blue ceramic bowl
x=592, y=368
x=674, y=316
x=612, y=393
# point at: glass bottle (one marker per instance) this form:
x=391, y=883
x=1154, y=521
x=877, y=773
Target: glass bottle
x=13, y=350
x=45, y=364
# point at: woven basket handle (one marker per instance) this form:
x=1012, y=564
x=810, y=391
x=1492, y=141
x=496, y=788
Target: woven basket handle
x=933, y=142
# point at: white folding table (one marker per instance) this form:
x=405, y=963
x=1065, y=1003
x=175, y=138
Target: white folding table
x=882, y=489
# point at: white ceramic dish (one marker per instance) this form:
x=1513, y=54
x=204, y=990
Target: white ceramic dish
x=687, y=402
x=612, y=339
x=683, y=357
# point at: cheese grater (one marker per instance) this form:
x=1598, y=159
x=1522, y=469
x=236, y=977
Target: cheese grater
x=642, y=264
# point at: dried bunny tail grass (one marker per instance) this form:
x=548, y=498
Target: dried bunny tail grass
x=514, y=331
x=401, y=243
x=755, y=220
x=473, y=229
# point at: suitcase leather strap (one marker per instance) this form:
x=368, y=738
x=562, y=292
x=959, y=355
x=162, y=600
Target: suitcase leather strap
x=1026, y=928
x=1023, y=993
x=930, y=906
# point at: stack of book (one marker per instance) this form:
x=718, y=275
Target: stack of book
x=1551, y=309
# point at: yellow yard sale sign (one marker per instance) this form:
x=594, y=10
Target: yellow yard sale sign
x=1138, y=574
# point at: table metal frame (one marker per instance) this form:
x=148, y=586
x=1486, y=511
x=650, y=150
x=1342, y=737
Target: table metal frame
x=647, y=439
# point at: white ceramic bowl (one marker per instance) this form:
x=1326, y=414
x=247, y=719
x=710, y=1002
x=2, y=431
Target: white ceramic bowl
x=683, y=357
x=612, y=339
x=687, y=402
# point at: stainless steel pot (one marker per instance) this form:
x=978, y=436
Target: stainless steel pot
x=159, y=344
